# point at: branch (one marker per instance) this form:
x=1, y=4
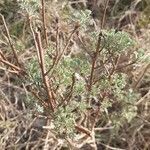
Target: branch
x=40, y=51
x=94, y=62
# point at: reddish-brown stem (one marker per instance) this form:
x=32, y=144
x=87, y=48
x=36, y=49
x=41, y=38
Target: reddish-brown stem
x=44, y=22
x=83, y=130
x=43, y=69
x=10, y=65
x=94, y=62
x=9, y=40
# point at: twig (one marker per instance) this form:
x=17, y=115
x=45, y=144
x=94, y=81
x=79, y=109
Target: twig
x=71, y=90
x=46, y=145
x=95, y=119
x=37, y=96
x=84, y=46
x=44, y=22
x=141, y=76
x=57, y=37
x=94, y=62
x=52, y=66
x=9, y=40
x=115, y=65
x=83, y=130
x=110, y=147
x=25, y=132
x=35, y=42
x=43, y=69
x=104, y=15
x=11, y=71
x=126, y=65
x=2, y=55
x=145, y=97
x=67, y=44
x=103, y=128
x=10, y=65
x=58, y=58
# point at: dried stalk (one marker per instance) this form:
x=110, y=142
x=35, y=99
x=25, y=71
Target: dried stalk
x=2, y=55
x=104, y=15
x=11, y=71
x=57, y=38
x=144, y=98
x=141, y=76
x=44, y=22
x=126, y=65
x=9, y=40
x=31, y=28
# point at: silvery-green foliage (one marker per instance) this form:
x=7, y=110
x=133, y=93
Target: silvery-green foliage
x=68, y=66
x=64, y=120
x=83, y=17
x=141, y=57
x=118, y=83
x=105, y=105
x=79, y=87
x=117, y=42
x=34, y=71
x=32, y=103
x=93, y=38
x=129, y=112
x=30, y=6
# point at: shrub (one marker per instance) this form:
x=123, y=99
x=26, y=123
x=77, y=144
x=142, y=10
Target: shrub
x=79, y=92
